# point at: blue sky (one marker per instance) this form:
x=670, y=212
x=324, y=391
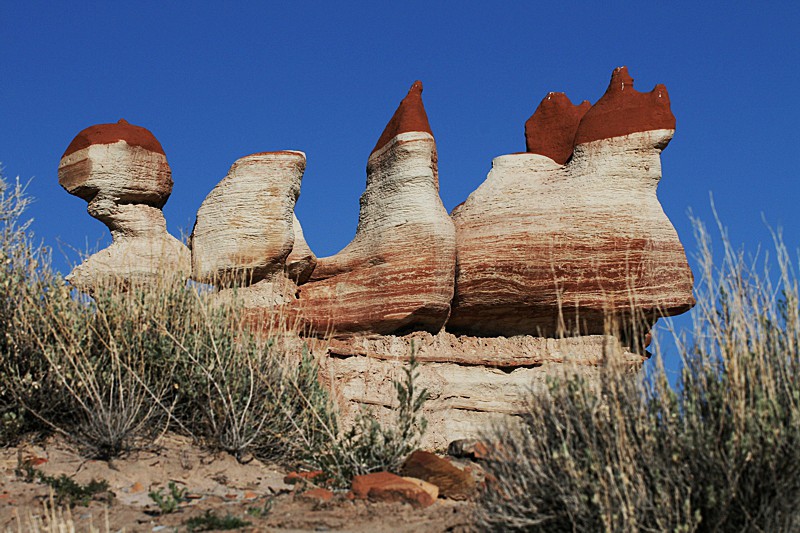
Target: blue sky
x=216, y=81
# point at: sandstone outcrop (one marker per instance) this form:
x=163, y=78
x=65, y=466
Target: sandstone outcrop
x=557, y=240
x=473, y=382
x=122, y=172
x=398, y=272
x=245, y=229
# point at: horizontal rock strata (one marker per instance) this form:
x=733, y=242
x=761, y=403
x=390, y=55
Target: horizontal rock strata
x=122, y=172
x=545, y=247
x=466, y=396
x=398, y=272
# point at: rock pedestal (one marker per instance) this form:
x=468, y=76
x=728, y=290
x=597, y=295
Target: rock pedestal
x=557, y=240
x=122, y=172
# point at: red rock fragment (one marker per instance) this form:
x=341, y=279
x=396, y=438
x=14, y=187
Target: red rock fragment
x=301, y=477
x=316, y=495
x=551, y=129
x=623, y=110
x=410, y=116
x=111, y=133
x=387, y=487
x=452, y=482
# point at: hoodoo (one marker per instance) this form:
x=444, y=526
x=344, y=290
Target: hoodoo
x=582, y=237
x=122, y=172
x=245, y=228
x=398, y=272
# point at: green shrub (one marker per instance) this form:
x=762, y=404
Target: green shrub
x=625, y=453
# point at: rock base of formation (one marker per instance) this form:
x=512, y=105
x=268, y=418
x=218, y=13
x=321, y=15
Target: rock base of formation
x=473, y=382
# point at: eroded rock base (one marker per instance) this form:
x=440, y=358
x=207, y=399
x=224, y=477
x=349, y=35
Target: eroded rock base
x=473, y=382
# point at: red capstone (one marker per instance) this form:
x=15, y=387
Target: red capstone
x=111, y=133
x=623, y=110
x=551, y=129
x=410, y=116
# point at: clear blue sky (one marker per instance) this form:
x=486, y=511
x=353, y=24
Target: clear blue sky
x=215, y=81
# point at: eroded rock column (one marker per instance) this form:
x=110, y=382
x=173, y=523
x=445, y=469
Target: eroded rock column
x=245, y=230
x=122, y=172
x=562, y=237
x=398, y=272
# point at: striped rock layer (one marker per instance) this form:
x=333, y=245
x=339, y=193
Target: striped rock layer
x=398, y=272
x=556, y=240
x=245, y=227
x=122, y=172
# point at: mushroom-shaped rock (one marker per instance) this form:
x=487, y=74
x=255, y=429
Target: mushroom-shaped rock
x=549, y=248
x=122, y=172
x=398, y=272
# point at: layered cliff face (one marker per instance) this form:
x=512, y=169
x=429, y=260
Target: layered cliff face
x=122, y=172
x=559, y=238
x=398, y=272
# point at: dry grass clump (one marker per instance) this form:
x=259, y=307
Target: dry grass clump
x=721, y=452
x=115, y=370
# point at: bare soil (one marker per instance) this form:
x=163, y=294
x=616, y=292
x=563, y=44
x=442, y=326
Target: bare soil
x=254, y=492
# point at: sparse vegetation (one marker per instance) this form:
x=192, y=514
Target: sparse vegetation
x=66, y=491
x=370, y=446
x=209, y=521
x=631, y=453
x=171, y=501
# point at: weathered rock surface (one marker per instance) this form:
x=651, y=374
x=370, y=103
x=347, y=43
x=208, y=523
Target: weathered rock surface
x=552, y=243
x=245, y=227
x=452, y=481
x=473, y=382
x=551, y=129
x=122, y=172
x=398, y=272
x=387, y=487
x=301, y=261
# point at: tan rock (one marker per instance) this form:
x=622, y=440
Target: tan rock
x=387, y=487
x=545, y=247
x=244, y=230
x=452, y=481
x=122, y=172
x=301, y=261
x=466, y=394
x=398, y=272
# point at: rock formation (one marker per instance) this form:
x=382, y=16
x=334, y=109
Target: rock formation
x=245, y=229
x=122, y=172
x=473, y=382
x=560, y=238
x=398, y=272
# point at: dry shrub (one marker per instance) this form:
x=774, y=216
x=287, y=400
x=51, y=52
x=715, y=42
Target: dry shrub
x=115, y=370
x=719, y=452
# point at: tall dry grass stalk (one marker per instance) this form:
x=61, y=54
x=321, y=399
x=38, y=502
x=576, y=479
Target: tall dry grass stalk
x=720, y=452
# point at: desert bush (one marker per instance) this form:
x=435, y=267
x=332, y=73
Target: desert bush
x=245, y=392
x=113, y=371
x=623, y=452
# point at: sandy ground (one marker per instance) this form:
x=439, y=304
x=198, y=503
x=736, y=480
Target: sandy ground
x=213, y=481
